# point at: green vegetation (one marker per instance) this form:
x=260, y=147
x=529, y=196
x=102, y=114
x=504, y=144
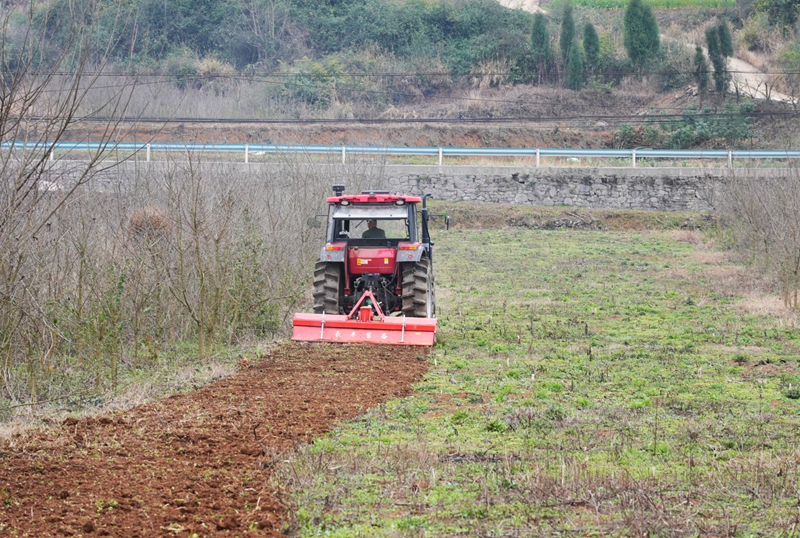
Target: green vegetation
x=266, y=33
x=620, y=383
x=790, y=61
x=591, y=45
x=641, y=33
x=720, y=48
x=696, y=126
x=655, y=4
x=782, y=13
x=541, y=55
x=700, y=73
x=567, y=35
x=575, y=69
x=304, y=58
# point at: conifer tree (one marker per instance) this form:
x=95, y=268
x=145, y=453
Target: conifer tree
x=641, y=33
x=591, y=45
x=725, y=40
x=574, y=69
x=567, y=32
x=700, y=73
x=540, y=46
x=717, y=60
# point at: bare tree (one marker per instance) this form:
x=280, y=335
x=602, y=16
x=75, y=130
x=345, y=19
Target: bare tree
x=50, y=63
x=764, y=215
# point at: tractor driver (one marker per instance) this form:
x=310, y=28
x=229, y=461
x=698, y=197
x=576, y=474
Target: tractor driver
x=372, y=230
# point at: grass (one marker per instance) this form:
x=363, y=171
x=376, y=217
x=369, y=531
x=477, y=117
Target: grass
x=623, y=382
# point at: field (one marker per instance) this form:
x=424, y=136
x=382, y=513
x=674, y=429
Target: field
x=193, y=464
x=598, y=373
x=626, y=382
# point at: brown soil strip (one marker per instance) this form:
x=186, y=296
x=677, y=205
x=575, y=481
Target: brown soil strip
x=198, y=462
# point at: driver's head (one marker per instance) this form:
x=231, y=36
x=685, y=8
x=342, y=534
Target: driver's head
x=371, y=223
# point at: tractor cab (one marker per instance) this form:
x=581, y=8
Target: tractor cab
x=386, y=218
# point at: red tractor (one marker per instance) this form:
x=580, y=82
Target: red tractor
x=374, y=280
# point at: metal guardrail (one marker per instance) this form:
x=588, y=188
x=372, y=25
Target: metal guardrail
x=440, y=152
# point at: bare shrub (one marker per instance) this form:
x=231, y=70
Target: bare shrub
x=149, y=222
x=136, y=262
x=43, y=93
x=763, y=214
x=490, y=74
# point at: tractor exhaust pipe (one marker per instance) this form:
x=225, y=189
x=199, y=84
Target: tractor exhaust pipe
x=426, y=234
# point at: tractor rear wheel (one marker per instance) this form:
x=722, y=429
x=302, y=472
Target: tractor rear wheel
x=419, y=297
x=327, y=278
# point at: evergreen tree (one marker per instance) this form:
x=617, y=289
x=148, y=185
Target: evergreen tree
x=591, y=45
x=641, y=33
x=717, y=60
x=725, y=41
x=567, y=32
x=541, y=56
x=574, y=69
x=701, y=73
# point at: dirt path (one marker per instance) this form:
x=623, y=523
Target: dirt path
x=747, y=79
x=752, y=82
x=527, y=5
x=194, y=463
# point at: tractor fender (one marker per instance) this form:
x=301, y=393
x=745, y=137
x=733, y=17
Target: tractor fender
x=333, y=252
x=409, y=252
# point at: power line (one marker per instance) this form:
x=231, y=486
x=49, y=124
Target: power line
x=661, y=119
x=535, y=99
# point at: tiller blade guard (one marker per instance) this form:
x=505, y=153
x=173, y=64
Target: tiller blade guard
x=362, y=326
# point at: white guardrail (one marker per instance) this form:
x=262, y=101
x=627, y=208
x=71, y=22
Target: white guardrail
x=440, y=152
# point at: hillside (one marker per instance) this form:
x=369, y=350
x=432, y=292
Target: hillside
x=460, y=63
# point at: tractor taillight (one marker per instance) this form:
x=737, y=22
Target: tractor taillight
x=334, y=247
x=408, y=246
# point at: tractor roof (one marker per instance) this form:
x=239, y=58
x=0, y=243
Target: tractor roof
x=374, y=198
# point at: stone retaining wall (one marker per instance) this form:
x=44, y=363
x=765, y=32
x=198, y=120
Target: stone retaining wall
x=664, y=189
x=670, y=189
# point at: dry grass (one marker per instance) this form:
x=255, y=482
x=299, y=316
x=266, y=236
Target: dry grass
x=772, y=305
x=693, y=237
x=25, y=417
x=761, y=61
x=149, y=222
x=730, y=276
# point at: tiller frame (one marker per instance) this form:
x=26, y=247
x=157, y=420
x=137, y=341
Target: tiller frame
x=361, y=326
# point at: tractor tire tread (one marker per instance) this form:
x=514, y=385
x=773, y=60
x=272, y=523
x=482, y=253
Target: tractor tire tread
x=415, y=289
x=327, y=278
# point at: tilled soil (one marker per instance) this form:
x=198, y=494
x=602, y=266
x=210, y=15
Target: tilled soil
x=199, y=462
